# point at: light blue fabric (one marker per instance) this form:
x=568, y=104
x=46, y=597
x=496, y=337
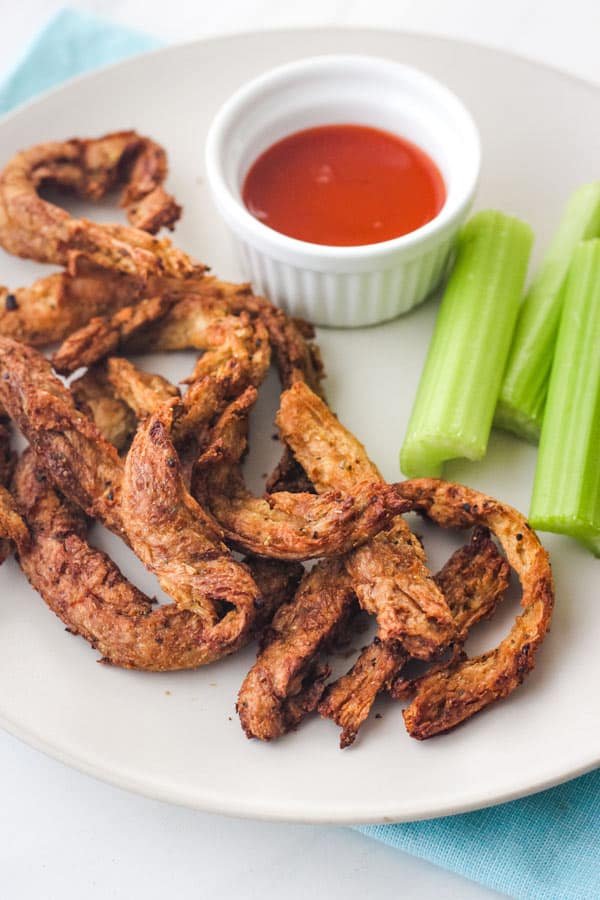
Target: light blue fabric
x=71, y=43
x=545, y=847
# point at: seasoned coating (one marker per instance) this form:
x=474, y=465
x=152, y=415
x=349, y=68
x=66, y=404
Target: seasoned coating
x=68, y=446
x=97, y=398
x=286, y=681
x=283, y=525
x=115, y=394
x=331, y=455
x=143, y=392
x=175, y=539
x=348, y=700
x=447, y=697
x=389, y=573
x=166, y=322
x=472, y=581
x=393, y=583
x=7, y=457
x=58, y=304
x=103, y=336
x=297, y=356
x=36, y=229
x=93, y=598
x=277, y=581
x=12, y=527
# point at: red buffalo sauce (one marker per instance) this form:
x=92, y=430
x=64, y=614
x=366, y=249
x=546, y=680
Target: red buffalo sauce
x=344, y=185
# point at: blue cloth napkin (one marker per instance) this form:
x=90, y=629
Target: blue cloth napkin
x=70, y=44
x=545, y=847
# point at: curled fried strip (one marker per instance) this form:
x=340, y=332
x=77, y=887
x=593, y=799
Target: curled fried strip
x=58, y=304
x=82, y=464
x=12, y=527
x=389, y=573
x=93, y=598
x=102, y=336
x=286, y=681
x=7, y=457
x=175, y=539
x=472, y=581
x=36, y=229
x=116, y=393
x=166, y=322
x=447, y=697
x=348, y=700
x=283, y=525
x=143, y=392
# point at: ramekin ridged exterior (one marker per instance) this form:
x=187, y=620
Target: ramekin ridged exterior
x=343, y=286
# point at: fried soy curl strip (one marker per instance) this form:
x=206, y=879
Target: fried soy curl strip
x=389, y=573
x=58, y=304
x=283, y=525
x=12, y=528
x=146, y=504
x=33, y=228
x=176, y=540
x=473, y=582
x=81, y=463
x=449, y=696
x=286, y=681
x=166, y=322
x=93, y=598
x=115, y=394
x=103, y=336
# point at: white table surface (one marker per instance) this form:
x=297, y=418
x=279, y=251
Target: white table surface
x=63, y=834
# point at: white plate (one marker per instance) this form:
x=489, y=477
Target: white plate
x=176, y=737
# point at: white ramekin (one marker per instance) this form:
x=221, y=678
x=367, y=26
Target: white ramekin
x=343, y=286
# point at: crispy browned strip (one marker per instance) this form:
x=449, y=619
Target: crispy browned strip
x=283, y=525
x=472, y=581
x=166, y=322
x=68, y=446
x=277, y=582
x=114, y=394
x=92, y=597
x=297, y=358
x=393, y=583
x=58, y=304
x=286, y=681
x=175, y=539
x=331, y=455
x=36, y=229
x=12, y=527
x=389, y=573
x=296, y=354
x=448, y=697
x=103, y=336
x=7, y=457
x=96, y=397
x=348, y=700
x=143, y=392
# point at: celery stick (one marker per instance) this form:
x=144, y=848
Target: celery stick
x=455, y=402
x=566, y=492
x=525, y=384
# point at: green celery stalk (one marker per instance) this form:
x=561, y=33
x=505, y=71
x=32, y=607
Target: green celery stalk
x=566, y=492
x=457, y=395
x=524, y=388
